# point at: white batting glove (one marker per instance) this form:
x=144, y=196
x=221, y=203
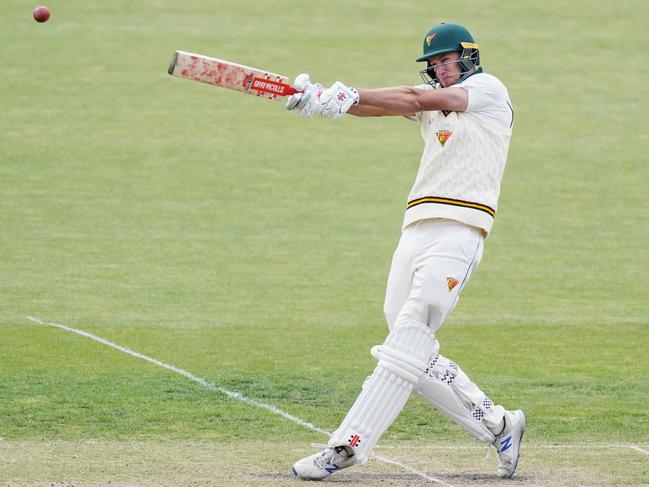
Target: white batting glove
x=307, y=103
x=337, y=99
x=299, y=84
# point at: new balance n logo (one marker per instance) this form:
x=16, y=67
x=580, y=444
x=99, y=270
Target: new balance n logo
x=506, y=444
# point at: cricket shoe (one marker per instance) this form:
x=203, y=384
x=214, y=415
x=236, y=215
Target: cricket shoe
x=508, y=443
x=322, y=465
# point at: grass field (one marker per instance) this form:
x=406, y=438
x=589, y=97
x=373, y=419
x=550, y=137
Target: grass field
x=221, y=235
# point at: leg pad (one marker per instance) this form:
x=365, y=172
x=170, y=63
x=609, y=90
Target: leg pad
x=449, y=389
x=403, y=360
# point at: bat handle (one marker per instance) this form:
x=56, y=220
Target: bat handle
x=292, y=91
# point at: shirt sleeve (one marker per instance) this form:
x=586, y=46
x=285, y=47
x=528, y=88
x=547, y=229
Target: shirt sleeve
x=418, y=115
x=488, y=98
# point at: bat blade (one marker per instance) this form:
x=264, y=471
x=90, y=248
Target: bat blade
x=226, y=74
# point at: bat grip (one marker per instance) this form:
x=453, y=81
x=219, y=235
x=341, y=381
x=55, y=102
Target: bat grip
x=292, y=91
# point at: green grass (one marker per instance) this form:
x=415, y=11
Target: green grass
x=220, y=234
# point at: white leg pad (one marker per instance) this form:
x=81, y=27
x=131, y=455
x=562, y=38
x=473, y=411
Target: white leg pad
x=449, y=389
x=403, y=359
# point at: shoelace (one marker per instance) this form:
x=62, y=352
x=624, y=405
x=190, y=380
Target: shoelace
x=326, y=456
x=325, y=459
x=488, y=454
x=319, y=446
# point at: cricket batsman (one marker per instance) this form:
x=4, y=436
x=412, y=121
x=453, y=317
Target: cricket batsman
x=465, y=118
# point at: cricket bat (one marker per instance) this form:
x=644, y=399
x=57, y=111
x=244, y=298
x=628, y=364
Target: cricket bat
x=233, y=76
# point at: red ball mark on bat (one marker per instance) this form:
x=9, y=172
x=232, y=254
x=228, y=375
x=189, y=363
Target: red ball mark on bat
x=192, y=64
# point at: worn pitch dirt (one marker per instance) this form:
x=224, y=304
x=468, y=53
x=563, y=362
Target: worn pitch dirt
x=193, y=463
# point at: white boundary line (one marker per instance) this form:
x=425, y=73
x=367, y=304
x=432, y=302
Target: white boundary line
x=232, y=394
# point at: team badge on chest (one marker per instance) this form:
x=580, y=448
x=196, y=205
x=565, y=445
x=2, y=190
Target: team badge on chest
x=443, y=136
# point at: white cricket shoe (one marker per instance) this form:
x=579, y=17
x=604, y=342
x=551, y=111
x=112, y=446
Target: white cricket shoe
x=322, y=465
x=508, y=443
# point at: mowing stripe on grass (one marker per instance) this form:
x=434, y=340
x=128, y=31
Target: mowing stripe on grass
x=232, y=394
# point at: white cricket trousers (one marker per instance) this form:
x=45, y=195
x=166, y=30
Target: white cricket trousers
x=432, y=263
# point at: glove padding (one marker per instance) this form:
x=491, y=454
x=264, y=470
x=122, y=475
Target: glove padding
x=337, y=99
x=306, y=103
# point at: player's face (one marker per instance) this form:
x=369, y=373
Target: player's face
x=446, y=67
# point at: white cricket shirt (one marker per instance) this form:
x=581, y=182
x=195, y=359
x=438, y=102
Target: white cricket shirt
x=464, y=156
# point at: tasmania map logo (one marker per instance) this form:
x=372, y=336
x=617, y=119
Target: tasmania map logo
x=451, y=282
x=443, y=136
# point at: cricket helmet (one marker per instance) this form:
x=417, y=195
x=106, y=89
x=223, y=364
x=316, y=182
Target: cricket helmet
x=443, y=38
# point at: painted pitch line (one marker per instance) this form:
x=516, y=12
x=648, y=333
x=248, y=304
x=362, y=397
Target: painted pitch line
x=410, y=469
x=480, y=447
x=231, y=394
x=208, y=385
x=527, y=446
x=638, y=449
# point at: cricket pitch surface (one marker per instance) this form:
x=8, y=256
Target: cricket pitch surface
x=180, y=463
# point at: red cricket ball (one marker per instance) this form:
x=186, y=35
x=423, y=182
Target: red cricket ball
x=41, y=14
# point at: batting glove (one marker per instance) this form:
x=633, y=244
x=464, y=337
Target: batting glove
x=337, y=99
x=306, y=103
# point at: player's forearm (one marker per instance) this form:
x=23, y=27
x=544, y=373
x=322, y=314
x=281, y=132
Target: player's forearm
x=406, y=100
x=361, y=110
x=399, y=100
